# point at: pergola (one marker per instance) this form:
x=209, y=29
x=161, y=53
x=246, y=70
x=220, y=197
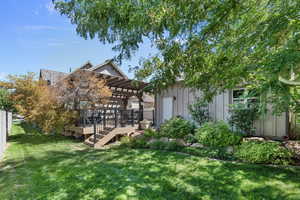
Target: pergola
x=122, y=89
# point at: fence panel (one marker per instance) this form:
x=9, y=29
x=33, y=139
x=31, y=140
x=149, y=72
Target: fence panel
x=5, y=128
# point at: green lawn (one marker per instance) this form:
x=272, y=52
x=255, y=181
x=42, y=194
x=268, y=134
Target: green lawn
x=45, y=167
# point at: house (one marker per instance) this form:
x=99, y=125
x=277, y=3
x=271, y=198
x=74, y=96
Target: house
x=108, y=68
x=174, y=101
x=116, y=116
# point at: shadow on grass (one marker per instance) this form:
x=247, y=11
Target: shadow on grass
x=142, y=174
x=60, y=171
x=25, y=133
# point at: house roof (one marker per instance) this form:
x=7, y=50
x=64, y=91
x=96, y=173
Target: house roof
x=112, y=64
x=51, y=75
x=113, y=81
x=86, y=65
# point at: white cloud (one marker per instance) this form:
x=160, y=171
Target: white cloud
x=3, y=75
x=39, y=27
x=50, y=7
x=55, y=44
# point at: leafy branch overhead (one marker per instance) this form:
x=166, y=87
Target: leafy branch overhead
x=213, y=45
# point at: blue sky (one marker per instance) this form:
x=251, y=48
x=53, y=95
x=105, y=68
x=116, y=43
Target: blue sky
x=34, y=36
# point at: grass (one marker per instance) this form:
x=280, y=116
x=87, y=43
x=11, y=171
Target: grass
x=47, y=167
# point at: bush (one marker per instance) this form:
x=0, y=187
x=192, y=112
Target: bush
x=210, y=152
x=126, y=141
x=199, y=112
x=150, y=133
x=242, y=117
x=130, y=142
x=173, y=146
x=157, y=145
x=263, y=152
x=177, y=127
x=217, y=134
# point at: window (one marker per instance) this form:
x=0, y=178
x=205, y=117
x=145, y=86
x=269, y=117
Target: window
x=243, y=95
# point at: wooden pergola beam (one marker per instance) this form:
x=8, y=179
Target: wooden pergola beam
x=120, y=83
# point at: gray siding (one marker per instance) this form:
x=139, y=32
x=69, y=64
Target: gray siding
x=268, y=125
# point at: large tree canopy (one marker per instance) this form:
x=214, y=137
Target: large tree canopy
x=212, y=45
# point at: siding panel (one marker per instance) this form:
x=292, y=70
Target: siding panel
x=269, y=125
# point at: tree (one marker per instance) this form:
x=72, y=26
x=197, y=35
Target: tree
x=50, y=107
x=213, y=45
x=83, y=87
x=5, y=101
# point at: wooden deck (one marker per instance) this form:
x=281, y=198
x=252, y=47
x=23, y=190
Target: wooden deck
x=102, y=140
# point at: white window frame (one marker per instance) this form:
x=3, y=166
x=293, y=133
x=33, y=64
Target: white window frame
x=241, y=99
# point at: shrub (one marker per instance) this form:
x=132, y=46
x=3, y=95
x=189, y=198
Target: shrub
x=242, y=117
x=157, y=145
x=199, y=112
x=126, y=141
x=217, y=134
x=130, y=142
x=263, y=152
x=190, y=138
x=210, y=152
x=150, y=133
x=173, y=146
x=177, y=127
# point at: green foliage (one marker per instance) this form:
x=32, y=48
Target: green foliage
x=157, y=145
x=263, y=152
x=150, y=133
x=126, y=141
x=190, y=138
x=215, y=45
x=217, y=134
x=173, y=146
x=242, y=117
x=75, y=171
x=5, y=100
x=163, y=145
x=199, y=112
x=209, y=152
x=177, y=127
x=130, y=142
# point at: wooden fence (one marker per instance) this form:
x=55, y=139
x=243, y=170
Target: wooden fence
x=5, y=128
x=294, y=123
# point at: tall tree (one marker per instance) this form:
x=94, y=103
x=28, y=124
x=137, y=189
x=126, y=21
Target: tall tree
x=83, y=86
x=213, y=45
x=5, y=100
x=50, y=107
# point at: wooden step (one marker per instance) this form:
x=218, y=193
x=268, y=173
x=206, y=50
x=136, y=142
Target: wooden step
x=91, y=144
x=113, y=134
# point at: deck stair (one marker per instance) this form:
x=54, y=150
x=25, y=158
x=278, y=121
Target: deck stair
x=103, y=139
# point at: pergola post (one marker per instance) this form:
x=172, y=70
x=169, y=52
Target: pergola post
x=141, y=109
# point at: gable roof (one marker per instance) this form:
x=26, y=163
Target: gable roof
x=52, y=76
x=113, y=65
x=87, y=65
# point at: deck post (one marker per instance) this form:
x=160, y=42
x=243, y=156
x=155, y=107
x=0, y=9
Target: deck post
x=116, y=118
x=84, y=116
x=104, y=118
x=94, y=120
x=140, y=115
x=132, y=117
x=153, y=117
